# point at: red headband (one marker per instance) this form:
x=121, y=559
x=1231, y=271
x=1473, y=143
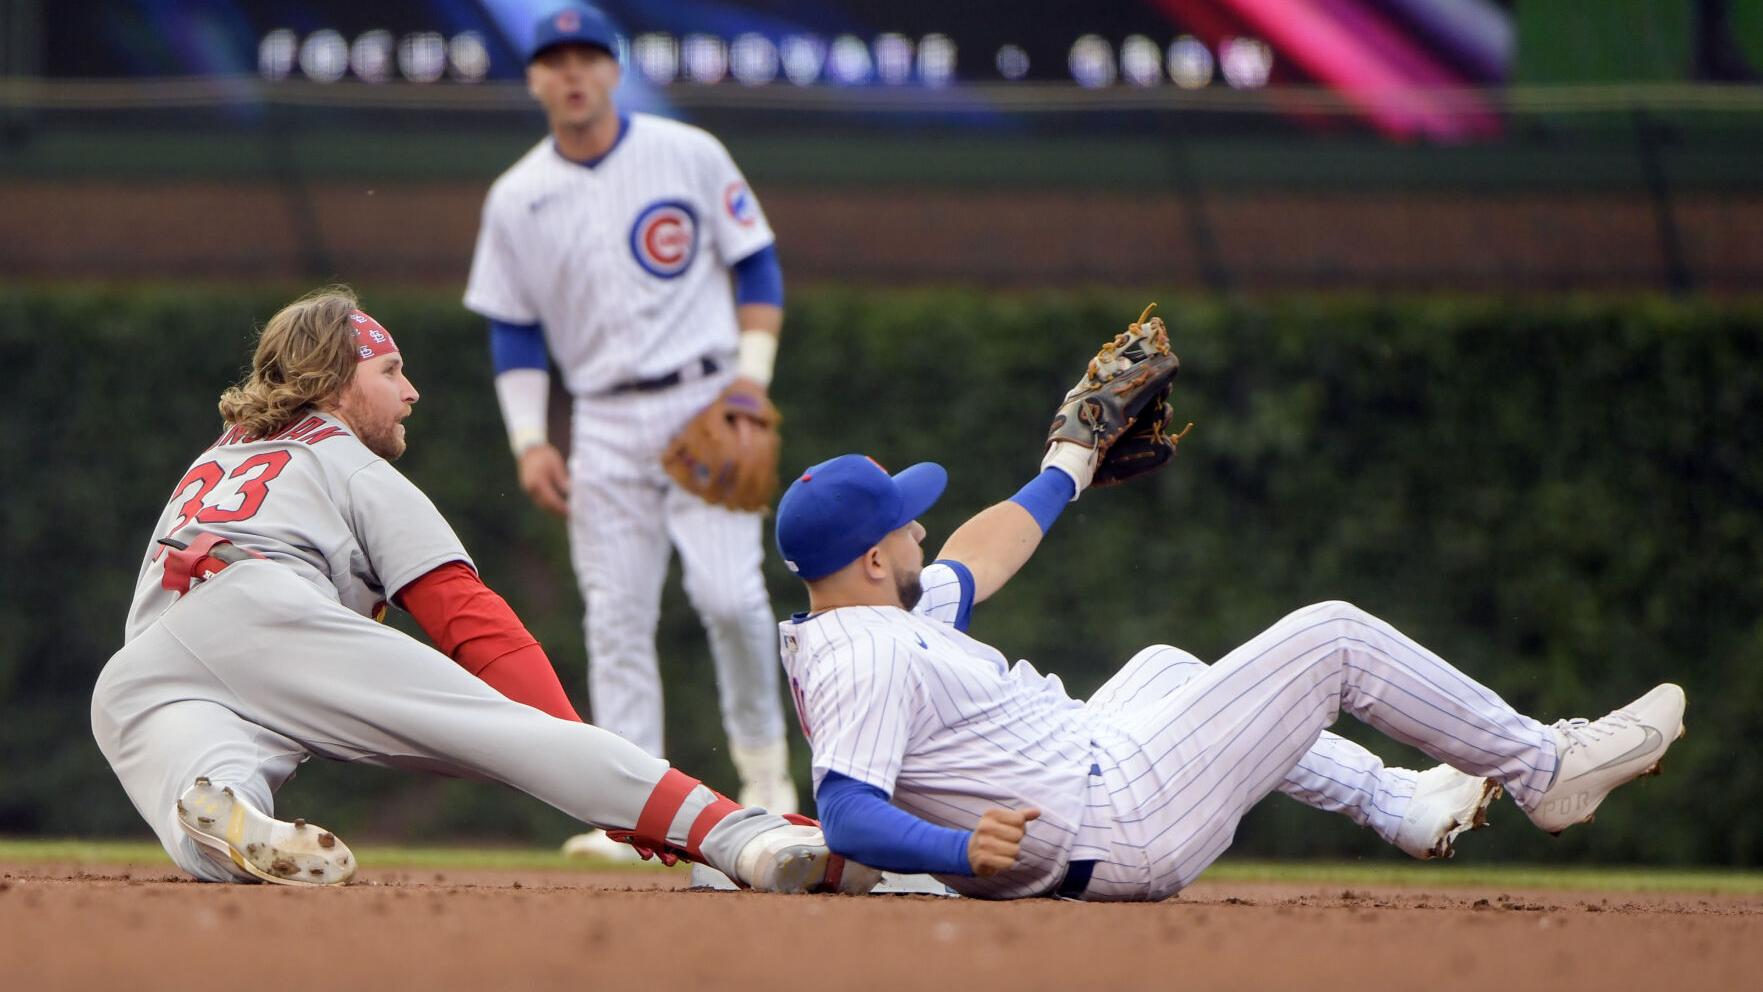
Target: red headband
x=371, y=340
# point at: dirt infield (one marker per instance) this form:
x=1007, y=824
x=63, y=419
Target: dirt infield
x=142, y=928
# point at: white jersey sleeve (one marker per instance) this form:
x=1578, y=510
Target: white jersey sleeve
x=495, y=288
x=402, y=534
x=948, y=594
x=737, y=223
x=857, y=707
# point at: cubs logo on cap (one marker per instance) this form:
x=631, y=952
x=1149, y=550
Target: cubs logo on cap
x=664, y=239
x=737, y=199
x=577, y=24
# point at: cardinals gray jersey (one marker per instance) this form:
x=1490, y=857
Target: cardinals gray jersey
x=624, y=261
x=910, y=704
x=312, y=497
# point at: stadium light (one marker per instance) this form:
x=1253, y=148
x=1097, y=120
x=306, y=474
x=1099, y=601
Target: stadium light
x=275, y=54
x=893, y=58
x=324, y=56
x=1190, y=62
x=1092, y=61
x=848, y=61
x=936, y=60
x=657, y=57
x=1141, y=61
x=753, y=59
x=422, y=56
x=706, y=59
x=1012, y=62
x=803, y=56
x=1246, y=62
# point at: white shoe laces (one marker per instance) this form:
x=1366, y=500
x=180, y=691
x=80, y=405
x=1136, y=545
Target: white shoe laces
x=1580, y=732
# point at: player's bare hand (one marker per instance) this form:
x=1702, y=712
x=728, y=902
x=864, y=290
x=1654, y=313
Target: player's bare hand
x=545, y=478
x=997, y=839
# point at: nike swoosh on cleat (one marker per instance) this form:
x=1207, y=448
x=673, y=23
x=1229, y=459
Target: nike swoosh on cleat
x=1650, y=740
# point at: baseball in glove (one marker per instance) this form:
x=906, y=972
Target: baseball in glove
x=1113, y=425
x=727, y=454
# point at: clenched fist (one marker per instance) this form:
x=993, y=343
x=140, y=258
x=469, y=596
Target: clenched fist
x=996, y=839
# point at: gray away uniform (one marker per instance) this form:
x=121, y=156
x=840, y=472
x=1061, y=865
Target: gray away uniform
x=274, y=660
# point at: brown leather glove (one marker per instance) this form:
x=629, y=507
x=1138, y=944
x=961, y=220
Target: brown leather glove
x=1119, y=410
x=727, y=454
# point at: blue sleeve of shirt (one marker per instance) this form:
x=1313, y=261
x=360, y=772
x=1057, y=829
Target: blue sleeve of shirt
x=964, y=575
x=862, y=825
x=517, y=346
x=759, y=279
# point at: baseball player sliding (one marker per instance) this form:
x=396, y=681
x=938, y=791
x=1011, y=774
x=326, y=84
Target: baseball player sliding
x=932, y=754
x=612, y=246
x=252, y=643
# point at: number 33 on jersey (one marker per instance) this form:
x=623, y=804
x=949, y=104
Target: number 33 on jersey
x=313, y=498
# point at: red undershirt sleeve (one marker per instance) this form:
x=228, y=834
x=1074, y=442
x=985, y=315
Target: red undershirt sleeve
x=469, y=623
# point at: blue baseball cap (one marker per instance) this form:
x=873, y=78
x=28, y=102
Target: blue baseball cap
x=842, y=507
x=576, y=24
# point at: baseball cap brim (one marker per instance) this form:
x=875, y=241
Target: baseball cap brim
x=920, y=486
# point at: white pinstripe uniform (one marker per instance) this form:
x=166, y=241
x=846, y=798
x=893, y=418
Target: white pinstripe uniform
x=626, y=265
x=1150, y=777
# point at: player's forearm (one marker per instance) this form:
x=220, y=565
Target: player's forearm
x=765, y=317
x=523, y=381
x=469, y=623
x=999, y=540
x=862, y=825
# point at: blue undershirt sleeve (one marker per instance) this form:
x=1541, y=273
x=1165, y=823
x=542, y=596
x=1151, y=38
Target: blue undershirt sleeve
x=759, y=278
x=862, y=825
x=1045, y=496
x=963, y=575
x=517, y=346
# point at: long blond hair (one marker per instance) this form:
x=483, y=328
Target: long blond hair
x=305, y=356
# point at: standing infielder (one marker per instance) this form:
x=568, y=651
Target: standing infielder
x=931, y=754
x=612, y=245
x=252, y=643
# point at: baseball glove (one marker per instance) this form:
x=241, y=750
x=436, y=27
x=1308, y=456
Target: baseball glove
x=1120, y=409
x=727, y=454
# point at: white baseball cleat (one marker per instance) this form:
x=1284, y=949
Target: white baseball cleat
x=795, y=858
x=596, y=845
x=1446, y=803
x=1599, y=755
x=235, y=833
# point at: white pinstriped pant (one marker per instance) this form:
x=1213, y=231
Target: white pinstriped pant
x=625, y=518
x=1188, y=750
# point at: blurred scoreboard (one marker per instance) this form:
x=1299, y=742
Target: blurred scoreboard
x=904, y=43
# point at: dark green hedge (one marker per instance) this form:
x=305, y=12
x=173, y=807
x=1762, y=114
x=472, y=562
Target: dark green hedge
x=1564, y=498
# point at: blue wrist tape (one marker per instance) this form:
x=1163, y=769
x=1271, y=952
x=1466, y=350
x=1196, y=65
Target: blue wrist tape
x=1045, y=497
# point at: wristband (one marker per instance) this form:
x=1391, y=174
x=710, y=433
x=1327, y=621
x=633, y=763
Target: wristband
x=1074, y=460
x=757, y=356
x=526, y=438
x=1046, y=495
x=523, y=394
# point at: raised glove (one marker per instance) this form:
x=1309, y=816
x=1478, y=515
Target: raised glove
x=1112, y=425
x=727, y=454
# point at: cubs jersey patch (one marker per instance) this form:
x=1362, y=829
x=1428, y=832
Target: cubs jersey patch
x=664, y=239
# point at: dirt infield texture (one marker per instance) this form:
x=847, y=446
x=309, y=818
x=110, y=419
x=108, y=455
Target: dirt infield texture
x=142, y=928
